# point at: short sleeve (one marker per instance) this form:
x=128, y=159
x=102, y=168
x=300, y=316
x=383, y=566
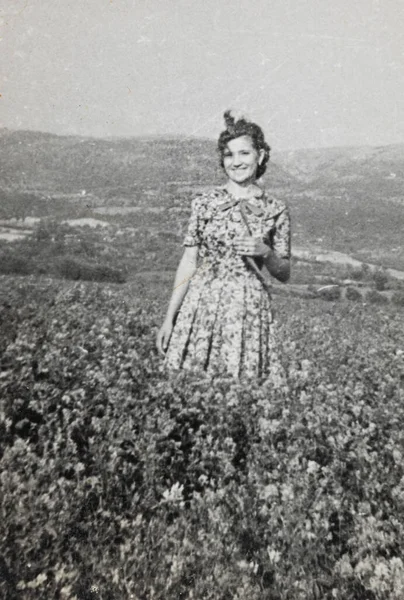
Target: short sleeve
x=281, y=240
x=194, y=229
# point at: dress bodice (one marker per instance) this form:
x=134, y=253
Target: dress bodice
x=216, y=221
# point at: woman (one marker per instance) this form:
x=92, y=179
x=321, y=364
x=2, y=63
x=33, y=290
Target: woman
x=219, y=318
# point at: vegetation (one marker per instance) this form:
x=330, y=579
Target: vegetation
x=381, y=279
x=398, y=298
x=118, y=482
x=375, y=297
x=61, y=251
x=353, y=294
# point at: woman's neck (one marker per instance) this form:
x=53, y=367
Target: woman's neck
x=242, y=191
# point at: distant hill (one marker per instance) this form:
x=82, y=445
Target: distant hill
x=355, y=195
x=379, y=169
x=344, y=199
x=42, y=161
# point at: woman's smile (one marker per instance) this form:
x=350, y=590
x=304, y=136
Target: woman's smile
x=241, y=159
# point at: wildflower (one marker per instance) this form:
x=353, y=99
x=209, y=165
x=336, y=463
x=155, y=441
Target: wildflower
x=174, y=494
x=381, y=570
x=312, y=467
x=274, y=555
x=344, y=566
x=287, y=492
x=396, y=563
x=364, y=567
x=269, y=491
x=398, y=457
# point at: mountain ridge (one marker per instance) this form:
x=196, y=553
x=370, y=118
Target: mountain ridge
x=303, y=164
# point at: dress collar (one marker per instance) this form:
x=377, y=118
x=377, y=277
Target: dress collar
x=258, y=194
x=243, y=202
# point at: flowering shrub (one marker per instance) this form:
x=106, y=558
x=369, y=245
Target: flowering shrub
x=120, y=483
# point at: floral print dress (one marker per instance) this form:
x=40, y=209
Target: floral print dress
x=225, y=323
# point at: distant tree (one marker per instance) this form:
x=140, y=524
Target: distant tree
x=366, y=271
x=398, y=298
x=355, y=273
x=73, y=268
x=381, y=279
x=353, y=293
x=330, y=293
x=375, y=297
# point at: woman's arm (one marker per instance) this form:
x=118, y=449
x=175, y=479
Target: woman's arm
x=185, y=271
x=275, y=258
x=278, y=267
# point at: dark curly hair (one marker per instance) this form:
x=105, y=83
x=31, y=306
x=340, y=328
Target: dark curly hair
x=237, y=128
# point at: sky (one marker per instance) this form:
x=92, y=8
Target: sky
x=312, y=73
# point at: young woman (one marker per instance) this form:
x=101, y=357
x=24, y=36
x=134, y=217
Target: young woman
x=219, y=318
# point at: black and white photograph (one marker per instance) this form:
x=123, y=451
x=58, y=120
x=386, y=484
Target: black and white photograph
x=201, y=300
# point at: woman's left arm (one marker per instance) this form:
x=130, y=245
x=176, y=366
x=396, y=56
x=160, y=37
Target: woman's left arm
x=278, y=266
x=277, y=258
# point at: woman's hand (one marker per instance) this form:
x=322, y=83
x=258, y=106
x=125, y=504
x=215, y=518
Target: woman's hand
x=163, y=336
x=251, y=246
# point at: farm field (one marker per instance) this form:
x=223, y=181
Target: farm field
x=118, y=483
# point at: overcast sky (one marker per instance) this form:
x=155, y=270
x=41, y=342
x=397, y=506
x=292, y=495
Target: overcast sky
x=310, y=72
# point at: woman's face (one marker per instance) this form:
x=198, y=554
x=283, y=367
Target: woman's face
x=241, y=159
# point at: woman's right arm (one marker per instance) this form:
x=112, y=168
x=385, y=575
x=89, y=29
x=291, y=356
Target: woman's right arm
x=185, y=271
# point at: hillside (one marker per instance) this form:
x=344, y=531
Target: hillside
x=355, y=195
x=349, y=200
x=66, y=164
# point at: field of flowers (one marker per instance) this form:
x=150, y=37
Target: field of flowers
x=118, y=483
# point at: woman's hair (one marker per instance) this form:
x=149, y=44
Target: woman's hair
x=236, y=128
